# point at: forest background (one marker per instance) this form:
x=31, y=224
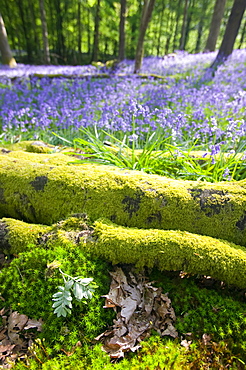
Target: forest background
x=81, y=31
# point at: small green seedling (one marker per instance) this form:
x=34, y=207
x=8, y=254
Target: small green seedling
x=81, y=289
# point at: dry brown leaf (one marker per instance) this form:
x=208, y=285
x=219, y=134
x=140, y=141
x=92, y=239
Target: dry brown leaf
x=206, y=338
x=12, y=345
x=140, y=307
x=186, y=343
x=16, y=321
x=34, y=324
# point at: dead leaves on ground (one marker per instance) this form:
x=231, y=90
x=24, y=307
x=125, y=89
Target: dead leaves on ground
x=140, y=308
x=16, y=336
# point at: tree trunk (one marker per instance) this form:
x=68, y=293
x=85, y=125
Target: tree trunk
x=42, y=192
x=215, y=25
x=191, y=10
x=200, y=26
x=60, y=45
x=6, y=54
x=145, y=19
x=164, y=249
x=95, y=49
x=184, y=26
x=242, y=35
x=44, y=32
x=88, y=32
x=177, y=25
x=79, y=29
x=35, y=41
x=25, y=31
x=122, y=30
x=231, y=32
x=160, y=29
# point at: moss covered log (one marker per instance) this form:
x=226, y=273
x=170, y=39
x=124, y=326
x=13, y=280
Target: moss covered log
x=16, y=236
x=164, y=249
x=171, y=250
x=44, y=193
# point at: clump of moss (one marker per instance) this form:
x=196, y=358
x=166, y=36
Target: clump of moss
x=218, y=311
x=29, y=281
x=155, y=354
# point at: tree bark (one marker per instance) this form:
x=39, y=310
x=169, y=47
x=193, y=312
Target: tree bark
x=6, y=54
x=44, y=193
x=95, y=49
x=44, y=32
x=145, y=19
x=231, y=32
x=122, y=30
x=215, y=25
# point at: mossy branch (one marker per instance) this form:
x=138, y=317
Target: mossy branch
x=44, y=193
x=162, y=249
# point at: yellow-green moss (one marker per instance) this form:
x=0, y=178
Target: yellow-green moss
x=171, y=250
x=163, y=249
x=54, y=159
x=41, y=193
x=20, y=234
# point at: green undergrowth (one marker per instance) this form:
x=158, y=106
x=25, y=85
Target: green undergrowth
x=160, y=157
x=155, y=354
x=217, y=310
x=29, y=281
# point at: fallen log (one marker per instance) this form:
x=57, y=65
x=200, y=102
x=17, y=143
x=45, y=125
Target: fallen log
x=43, y=193
x=162, y=249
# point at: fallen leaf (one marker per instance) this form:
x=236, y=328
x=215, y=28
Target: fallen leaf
x=37, y=324
x=140, y=307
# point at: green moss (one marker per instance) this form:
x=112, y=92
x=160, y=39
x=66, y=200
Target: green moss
x=29, y=281
x=54, y=159
x=166, y=249
x=172, y=250
x=20, y=234
x=128, y=198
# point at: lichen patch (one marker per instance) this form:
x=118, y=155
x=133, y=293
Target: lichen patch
x=2, y=200
x=241, y=224
x=4, y=245
x=39, y=182
x=132, y=204
x=211, y=201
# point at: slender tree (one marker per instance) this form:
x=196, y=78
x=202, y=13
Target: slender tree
x=60, y=40
x=184, y=26
x=242, y=35
x=7, y=57
x=79, y=28
x=161, y=17
x=44, y=32
x=190, y=16
x=122, y=30
x=95, y=49
x=25, y=23
x=145, y=19
x=215, y=25
x=231, y=32
x=178, y=15
x=201, y=26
